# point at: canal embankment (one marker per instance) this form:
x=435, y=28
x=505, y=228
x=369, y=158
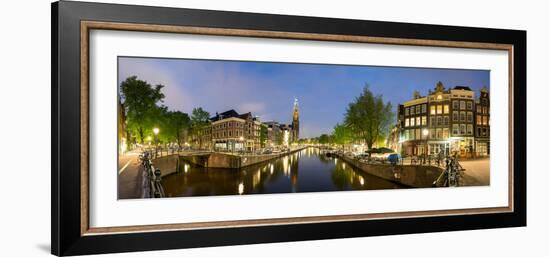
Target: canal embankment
x=417, y=176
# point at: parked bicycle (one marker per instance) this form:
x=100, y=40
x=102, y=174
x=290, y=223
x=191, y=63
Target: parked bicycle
x=453, y=171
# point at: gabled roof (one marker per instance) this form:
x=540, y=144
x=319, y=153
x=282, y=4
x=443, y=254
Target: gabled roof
x=224, y=115
x=463, y=88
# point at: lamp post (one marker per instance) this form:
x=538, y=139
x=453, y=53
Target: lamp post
x=425, y=133
x=156, y=132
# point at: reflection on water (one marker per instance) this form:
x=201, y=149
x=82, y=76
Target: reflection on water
x=303, y=171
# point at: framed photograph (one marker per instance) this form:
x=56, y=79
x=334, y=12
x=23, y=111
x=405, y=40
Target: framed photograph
x=178, y=128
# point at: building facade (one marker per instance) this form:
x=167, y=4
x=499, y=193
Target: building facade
x=482, y=125
x=233, y=132
x=444, y=121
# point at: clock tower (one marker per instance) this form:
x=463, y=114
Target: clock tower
x=295, y=121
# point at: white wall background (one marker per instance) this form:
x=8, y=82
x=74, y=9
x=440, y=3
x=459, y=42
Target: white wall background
x=25, y=127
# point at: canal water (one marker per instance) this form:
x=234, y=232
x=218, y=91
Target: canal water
x=303, y=171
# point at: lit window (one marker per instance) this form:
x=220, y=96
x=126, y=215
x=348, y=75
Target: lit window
x=412, y=122
x=446, y=109
x=439, y=109
x=432, y=109
x=418, y=121
x=478, y=120
x=424, y=120
x=484, y=120
x=445, y=133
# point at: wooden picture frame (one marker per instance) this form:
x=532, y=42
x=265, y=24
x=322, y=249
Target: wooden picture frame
x=71, y=24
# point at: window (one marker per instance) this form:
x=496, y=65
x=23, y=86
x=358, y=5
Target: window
x=446, y=109
x=439, y=121
x=424, y=108
x=432, y=133
x=455, y=116
x=455, y=129
x=432, y=109
x=432, y=121
x=478, y=120
x=455, y=104
x=469, y=105
x=412, y=110
x=412, y=122
x=439, y=109
x=418, y=109
x=478, y=109
x=462, y=105
x=445, y=133
x=470, y=116
x=485, y=110
x=470, y=129
x=462, y=116
x=424, y=120
x=418, y=121
x=406, y=122
x=446, y=120
x=462, y=129
x=439, y=133
x=407, y=111
x=484, y=120
x=417, y=133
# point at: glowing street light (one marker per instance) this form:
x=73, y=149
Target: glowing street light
x=156, y=131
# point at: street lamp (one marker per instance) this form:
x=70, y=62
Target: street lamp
x=156, y=132
x=425, y=133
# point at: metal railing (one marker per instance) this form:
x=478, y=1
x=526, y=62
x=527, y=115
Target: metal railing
x=152, y=184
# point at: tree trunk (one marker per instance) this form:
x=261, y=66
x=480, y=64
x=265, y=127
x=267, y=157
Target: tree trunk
x=141, y=134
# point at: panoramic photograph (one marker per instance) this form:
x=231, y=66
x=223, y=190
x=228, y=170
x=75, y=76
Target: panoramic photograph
x=192, y=127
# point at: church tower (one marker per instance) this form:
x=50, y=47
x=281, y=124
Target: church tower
x=295, y=121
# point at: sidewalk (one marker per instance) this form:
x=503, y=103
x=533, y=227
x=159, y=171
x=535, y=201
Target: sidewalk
x=477, y=172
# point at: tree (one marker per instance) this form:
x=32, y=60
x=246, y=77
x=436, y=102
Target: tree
x=323, y=139
x=263, y=135
x=279, y=138
x=140, y=102
x=176, y=124
x=199, y=120
x=368, y=117
x=342, y=135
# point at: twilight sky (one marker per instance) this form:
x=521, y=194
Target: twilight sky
x=268, y=89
